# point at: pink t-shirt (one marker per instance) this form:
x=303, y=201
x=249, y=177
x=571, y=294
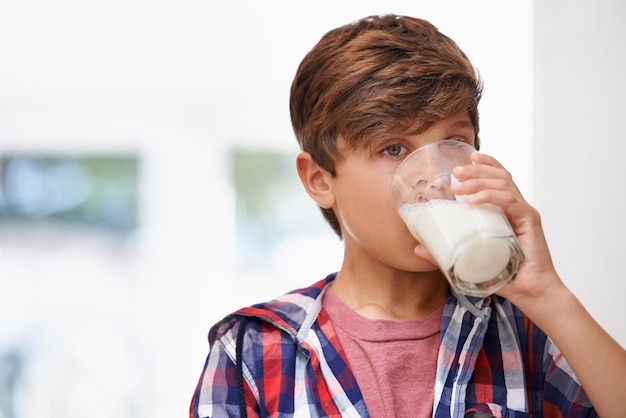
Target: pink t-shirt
x=394, y=362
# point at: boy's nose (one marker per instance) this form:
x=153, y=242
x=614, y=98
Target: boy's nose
x=440, y=182
x=439, y=188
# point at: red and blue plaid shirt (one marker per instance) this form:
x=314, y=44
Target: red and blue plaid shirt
x=492, y=360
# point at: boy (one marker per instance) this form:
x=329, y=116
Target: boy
x=385, y=336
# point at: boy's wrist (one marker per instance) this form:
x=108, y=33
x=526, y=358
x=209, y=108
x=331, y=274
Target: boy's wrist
x=552, y=308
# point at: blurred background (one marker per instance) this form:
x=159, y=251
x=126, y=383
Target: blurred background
x=148, y=184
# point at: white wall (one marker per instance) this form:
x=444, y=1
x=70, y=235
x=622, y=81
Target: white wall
x=579, y=146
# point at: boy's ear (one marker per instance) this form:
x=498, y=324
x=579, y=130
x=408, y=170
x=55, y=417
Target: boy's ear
x=316, y=180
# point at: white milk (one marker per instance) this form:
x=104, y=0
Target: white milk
x=470, y=239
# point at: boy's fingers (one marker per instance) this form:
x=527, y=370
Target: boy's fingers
x=423, y=253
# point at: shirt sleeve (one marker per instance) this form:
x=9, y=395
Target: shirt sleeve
x=217, y=393
x=562, y=392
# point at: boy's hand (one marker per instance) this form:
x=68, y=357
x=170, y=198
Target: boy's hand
x=487, y=181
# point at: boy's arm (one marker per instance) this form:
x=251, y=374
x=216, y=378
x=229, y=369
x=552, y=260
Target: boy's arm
x=598, y=361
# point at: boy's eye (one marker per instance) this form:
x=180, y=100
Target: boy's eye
x=395, y=150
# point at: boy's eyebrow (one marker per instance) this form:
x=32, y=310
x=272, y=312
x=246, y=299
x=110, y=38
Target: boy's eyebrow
x=462, y=123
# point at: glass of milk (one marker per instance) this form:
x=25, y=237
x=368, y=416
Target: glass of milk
x=474, y=245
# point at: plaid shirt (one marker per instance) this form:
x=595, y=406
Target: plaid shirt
x=492, y=360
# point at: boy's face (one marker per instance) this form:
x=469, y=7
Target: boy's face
x=371, y=225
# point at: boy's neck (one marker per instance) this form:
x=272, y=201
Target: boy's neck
x=398, y=296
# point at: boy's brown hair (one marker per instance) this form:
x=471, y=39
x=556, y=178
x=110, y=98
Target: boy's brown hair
x=378, y=76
